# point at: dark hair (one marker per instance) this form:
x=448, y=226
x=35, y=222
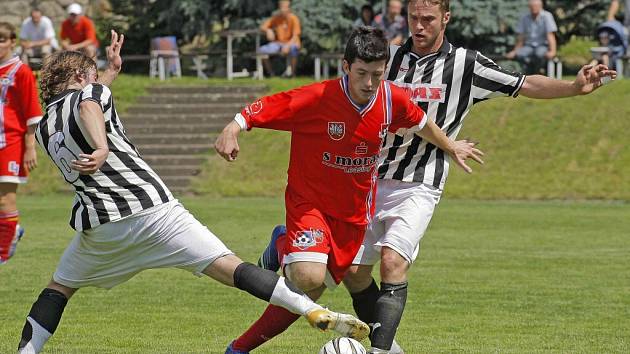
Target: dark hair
x=368, y=44
x=7, y=30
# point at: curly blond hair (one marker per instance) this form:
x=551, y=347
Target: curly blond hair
x=59, y=69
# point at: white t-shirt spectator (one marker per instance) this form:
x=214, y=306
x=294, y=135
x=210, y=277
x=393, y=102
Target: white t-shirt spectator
x=43, y=30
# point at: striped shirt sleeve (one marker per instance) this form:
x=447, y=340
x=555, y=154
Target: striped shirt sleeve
x=490, y=80
x=99, y=94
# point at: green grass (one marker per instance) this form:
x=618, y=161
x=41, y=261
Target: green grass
x=502, y=277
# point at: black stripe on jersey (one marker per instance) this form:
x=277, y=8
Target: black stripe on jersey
x=398, y=140
x=142, y=196
x=439, y=168
x=117, y=127
x=420, y=166
x=464, y=91
x=59, y=117
x=447, y=78
x=85, y=215
x=491, y=85
x=43, y=132
x=396, y=61
x=73, y=218
x=140, y=172
x=391, y=155
x=416, y=141
x=121, y=203
x=99, y=205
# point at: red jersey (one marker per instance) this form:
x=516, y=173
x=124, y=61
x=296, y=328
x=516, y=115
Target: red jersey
x=19, y=105
x=335, y=143
x=80, y=31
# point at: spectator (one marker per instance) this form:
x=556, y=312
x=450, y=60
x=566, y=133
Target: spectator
x=283, y=33
x=366, y=18
x=536, y=42
x=393, y=23
x=37, y=36
x=612, y=11
x=78, y=32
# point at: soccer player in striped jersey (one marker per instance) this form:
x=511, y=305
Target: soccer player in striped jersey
x=446, y=81
x=125, y=218
x=337, y=129
x=19, y=114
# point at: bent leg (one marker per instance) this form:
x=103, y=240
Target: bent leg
x=44, y=317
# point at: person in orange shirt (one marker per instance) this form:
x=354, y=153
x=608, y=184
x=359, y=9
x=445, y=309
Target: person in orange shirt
x=283, y=33
x=78, y=32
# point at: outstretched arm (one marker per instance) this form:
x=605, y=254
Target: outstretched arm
x=114, y=60
x=589, y=79
x=460, y=150
x=612, y=10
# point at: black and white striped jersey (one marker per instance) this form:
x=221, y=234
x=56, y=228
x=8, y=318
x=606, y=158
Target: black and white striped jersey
x=446, y=84
x=124, y=185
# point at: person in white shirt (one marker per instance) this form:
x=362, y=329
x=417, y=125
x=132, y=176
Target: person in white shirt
x=37, y=36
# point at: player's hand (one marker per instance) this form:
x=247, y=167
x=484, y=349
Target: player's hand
x=592, y=77
x=89, y=164
x=30, y=159
x=465, y=149
x=114, y=59
x=227, y=142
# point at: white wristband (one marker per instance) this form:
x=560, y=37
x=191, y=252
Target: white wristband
x=240, y=120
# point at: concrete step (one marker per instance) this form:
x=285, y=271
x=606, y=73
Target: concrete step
x=173, y=160
x=187, y=128
x=160, y=149
x=254, y=89
x=161, y=98
x=177, y=181
x=177, y=170
x=178, y=118
x=171, y=139
x=179, y=108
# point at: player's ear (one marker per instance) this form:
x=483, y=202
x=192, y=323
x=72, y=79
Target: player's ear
x=446, y=18
x=346, y=66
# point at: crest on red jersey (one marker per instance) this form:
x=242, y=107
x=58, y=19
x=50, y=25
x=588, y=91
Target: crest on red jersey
x=254, y=108
x=336, y=130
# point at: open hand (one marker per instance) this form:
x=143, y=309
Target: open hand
x=114, y=59
x=592, y=77
x=465, y=149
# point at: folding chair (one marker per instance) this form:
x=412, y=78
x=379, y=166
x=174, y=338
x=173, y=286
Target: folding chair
x=164, y=58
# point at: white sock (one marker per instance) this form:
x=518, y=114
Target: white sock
x=299, y=304
x=38, y=339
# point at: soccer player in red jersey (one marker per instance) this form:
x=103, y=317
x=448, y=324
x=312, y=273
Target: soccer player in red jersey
x=19, y=114
x=337, y=130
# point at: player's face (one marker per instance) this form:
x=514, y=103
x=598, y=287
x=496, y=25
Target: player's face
x=6, y=47
x=364, y=78
x=427, y=24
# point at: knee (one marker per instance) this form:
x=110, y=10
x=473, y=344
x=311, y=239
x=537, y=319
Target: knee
x=7, y=201
x=358, y=278
x=393, y=266
x=306, y=278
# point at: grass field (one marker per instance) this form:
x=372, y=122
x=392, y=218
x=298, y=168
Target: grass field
x=493, y=277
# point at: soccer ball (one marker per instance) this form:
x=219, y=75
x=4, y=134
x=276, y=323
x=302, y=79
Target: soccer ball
x=342, y=345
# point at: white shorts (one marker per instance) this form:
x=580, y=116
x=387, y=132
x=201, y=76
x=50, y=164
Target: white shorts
x=403, y=213
x=166, y=235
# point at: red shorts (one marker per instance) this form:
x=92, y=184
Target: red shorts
x=12, y=165
x=315, y=237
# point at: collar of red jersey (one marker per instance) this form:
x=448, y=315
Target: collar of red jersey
x=362, y=109
x=11, y=61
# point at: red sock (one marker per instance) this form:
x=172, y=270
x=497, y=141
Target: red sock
x=8, y=224
x=273, y=321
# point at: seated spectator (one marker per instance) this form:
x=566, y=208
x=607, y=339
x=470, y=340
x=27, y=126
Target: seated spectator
x=37, y=36
x=366, y=18
x=536, y=42
x=78, y=32
x=393, y=23
x=613, y=43
x=283, y=33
